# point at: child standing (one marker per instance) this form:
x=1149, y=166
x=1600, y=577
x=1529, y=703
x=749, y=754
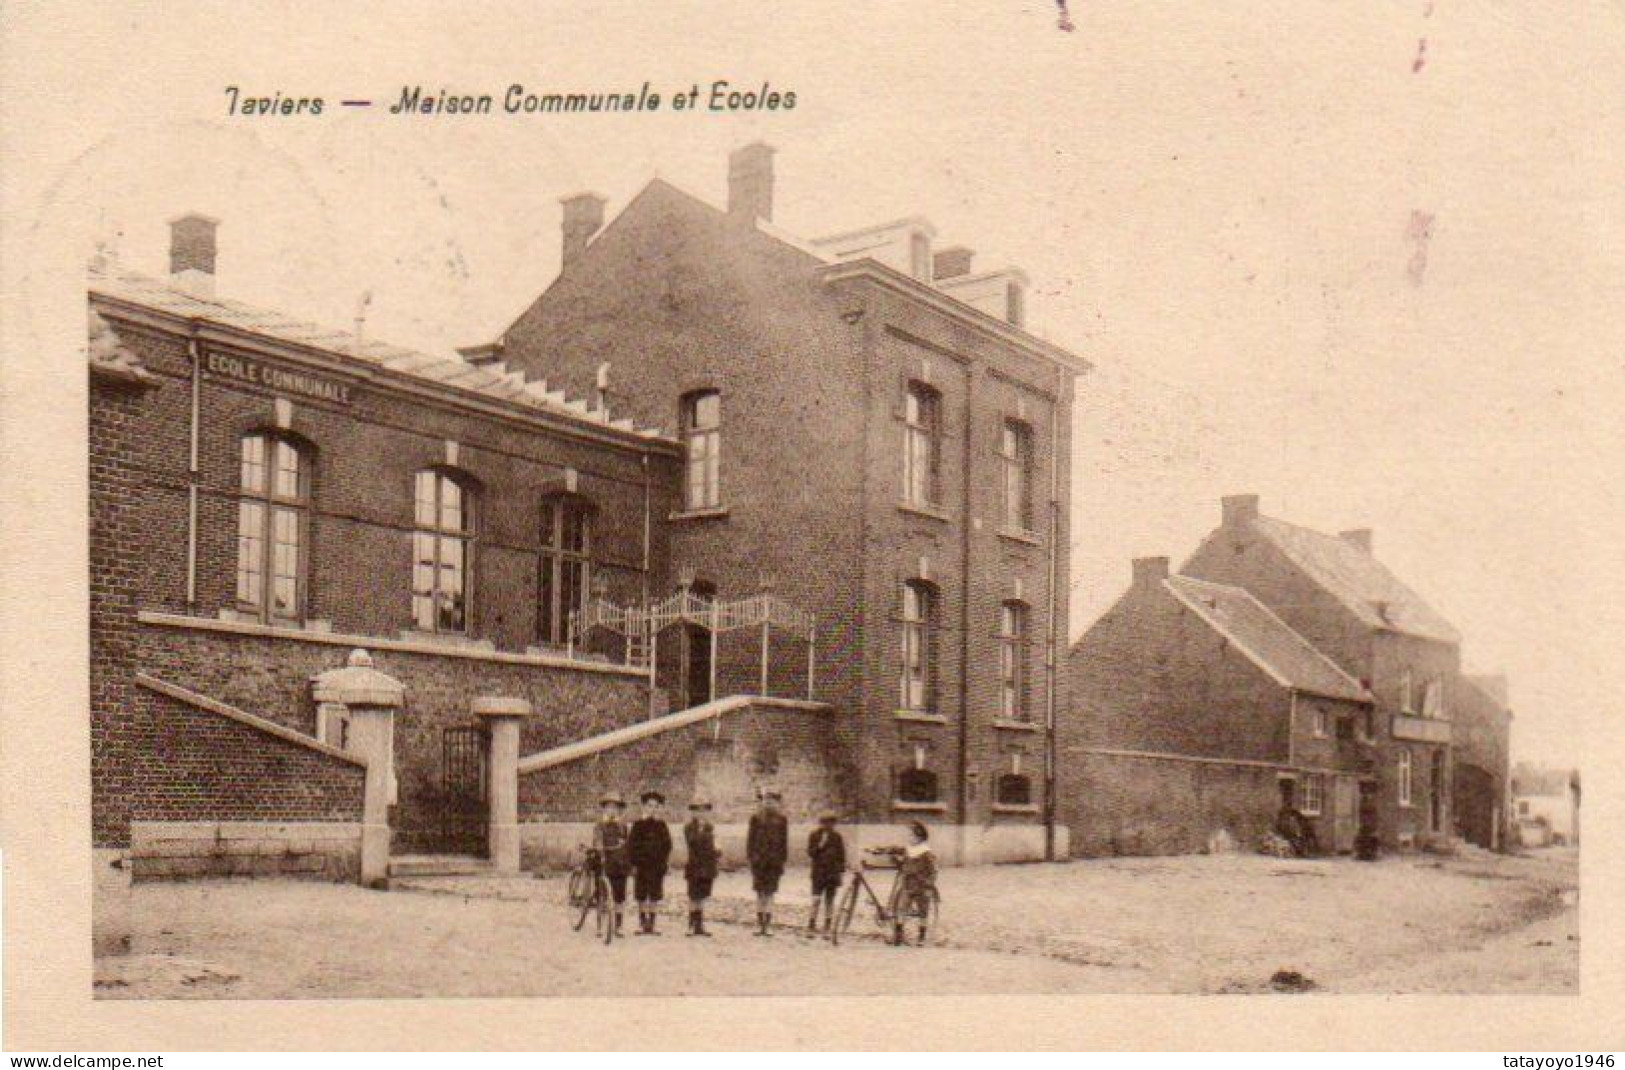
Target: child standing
x=609, y=838
x=826, y=852
x=918, y=867
x=701, y=868
x=767, y=847
x=649, y=848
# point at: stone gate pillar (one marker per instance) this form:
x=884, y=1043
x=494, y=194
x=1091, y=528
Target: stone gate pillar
x=504, y=716
x=370, y=699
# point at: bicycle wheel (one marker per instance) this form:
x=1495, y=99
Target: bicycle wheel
x=606, y=911
x=580, y=897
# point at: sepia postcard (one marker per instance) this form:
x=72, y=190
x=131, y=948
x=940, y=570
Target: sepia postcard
x=991, y=524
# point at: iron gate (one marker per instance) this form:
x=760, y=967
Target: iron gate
x=463, y=790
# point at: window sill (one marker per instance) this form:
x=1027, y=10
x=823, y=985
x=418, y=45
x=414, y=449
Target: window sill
x=1026, y=538
x=920, y=807
x=929, y=512
x=1014, y=726
x=447, y=639
x=716, y=512
x=920, y=716
x=1310, y=813
x=1028, y=809
x=244, y=616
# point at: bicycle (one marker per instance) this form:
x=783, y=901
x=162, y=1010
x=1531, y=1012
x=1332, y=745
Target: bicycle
x=589, y=894
x=894, y=911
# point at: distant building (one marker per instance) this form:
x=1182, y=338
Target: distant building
x=1481, y=778
x=1546, y=805
x=1196, y=712
x=1334, y=592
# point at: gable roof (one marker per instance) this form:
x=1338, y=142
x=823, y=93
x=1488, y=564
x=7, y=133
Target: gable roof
x=1265, y=639
x=492, y=382
x=1357, y=579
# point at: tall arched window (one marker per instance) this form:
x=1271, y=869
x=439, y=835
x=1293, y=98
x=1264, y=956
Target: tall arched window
x=442, y=552
x=1013, y=661
x=275, y=482
x=918, y=631
x=566, y=565
x=702, y=434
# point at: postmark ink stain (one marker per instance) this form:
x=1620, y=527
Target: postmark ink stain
x=1421, y=55
x=1064, y=18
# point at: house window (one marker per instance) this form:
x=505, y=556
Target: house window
x=442, y=553
x=1319, y=721
x=922, y=444
x=702, y=434
x=1014, y=788
x=1433, y=698
x=916, y=783
x=1407, y=702
x=1013, y=661
x=1313, y=794
x=566, y=566
x=1016, y=458
x=918, y=626
x=275, y=483
x=1405, y=784
x=1346, y=728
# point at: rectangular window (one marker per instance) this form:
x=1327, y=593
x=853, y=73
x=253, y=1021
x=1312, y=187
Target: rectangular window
x=1433, y=698
x=1407, y=701
x=441, y=551
x=1013, y=661
x=1405, y=784
x=565, y=567
x=1313, y=794
x=250, y=552
x=270, y=527
x=1346, y=728
x=1319, y=721
x=922, y=444
x=702, y=433
x=917, y=624
x=1016, y=459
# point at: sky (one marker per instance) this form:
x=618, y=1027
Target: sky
x=1350, y=258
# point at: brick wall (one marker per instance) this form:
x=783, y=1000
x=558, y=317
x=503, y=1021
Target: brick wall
x=725, y=759
x=1148, y=806
x=1481, y=773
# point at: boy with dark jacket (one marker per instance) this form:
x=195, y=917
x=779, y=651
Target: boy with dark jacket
x=826, y=852
x=609, y=838
x=701, y=868
x=649, y=849
x=767, y=848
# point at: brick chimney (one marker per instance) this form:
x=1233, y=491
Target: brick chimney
x=750, y=182
x=192, y=253
x=951, y=263
x=1150, y=571
x=1239, y=509
x=583, y=217
x=1359, y=538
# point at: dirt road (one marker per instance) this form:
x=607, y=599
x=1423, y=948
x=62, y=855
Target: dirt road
x=1224, y=923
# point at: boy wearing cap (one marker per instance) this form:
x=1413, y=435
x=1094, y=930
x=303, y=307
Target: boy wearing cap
x=701, y=868
x=649, y=848
x=767, y=847
x=826, y=852
x=609, y=838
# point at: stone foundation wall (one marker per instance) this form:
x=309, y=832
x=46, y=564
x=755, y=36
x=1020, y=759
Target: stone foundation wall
x=318, y=850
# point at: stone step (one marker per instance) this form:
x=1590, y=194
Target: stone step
x=438, y=866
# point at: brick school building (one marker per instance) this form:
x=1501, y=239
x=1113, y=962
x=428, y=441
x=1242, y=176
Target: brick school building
x=724, y=508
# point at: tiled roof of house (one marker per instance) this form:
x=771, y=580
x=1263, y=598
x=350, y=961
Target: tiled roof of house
x=494, y=381
x=1266, y=639
x=1358, y=580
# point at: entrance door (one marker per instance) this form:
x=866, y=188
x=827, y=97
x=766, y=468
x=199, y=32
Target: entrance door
x=463, y=819
x=1345, y=813
x=697, y=655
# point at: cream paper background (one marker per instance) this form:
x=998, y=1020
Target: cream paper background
x=1215, y=202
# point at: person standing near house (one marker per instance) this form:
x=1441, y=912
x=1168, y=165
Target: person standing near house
x=917, y=865
x=826, y=852
x=767, y=848
x=609, y=838
x=701, y=868
x=649, y=847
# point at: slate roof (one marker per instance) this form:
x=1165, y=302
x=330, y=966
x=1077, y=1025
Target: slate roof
x=1266, y=639
x=1358, y=580
x=493, y=381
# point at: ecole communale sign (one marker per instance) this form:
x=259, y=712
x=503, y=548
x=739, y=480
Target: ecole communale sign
x=258, y=373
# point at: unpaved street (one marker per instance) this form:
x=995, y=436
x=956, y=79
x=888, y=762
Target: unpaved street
x=1224, y=923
